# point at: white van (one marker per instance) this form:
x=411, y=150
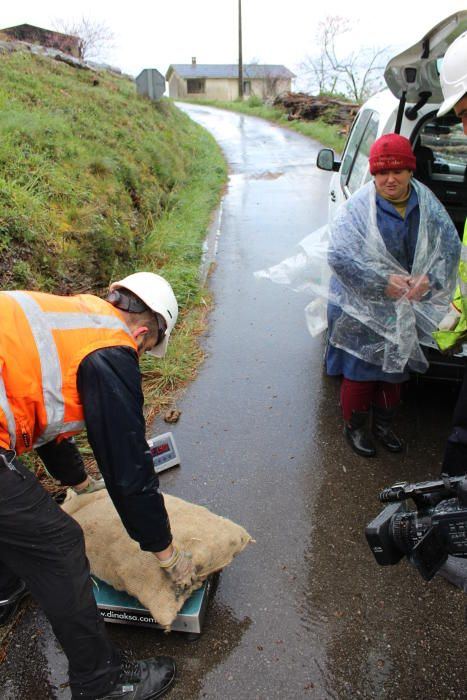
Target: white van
x=409, y=107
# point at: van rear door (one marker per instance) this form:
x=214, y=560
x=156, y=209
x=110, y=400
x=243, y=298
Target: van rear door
x=415, y=71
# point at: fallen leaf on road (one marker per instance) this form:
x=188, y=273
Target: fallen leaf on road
x=172, y=416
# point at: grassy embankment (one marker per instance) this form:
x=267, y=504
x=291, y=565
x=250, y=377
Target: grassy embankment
x=96, y=183
x=319, y=130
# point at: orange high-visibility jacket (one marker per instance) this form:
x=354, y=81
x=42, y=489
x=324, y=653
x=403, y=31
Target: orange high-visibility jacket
x=43, y=339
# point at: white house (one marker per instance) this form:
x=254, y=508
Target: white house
x=220, y=82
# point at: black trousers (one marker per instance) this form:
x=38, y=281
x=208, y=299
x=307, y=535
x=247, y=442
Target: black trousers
x=44, y=546
x=455, y=454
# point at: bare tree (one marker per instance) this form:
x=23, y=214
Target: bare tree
x=95, y=38
x=271, y=82
x=356, y=75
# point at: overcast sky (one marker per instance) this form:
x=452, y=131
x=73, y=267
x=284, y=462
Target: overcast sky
x=160, y=32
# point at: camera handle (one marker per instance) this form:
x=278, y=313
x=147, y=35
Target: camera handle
x=427, y=492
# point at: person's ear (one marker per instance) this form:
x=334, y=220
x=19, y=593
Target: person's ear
x=140, y=331
x=140, y=334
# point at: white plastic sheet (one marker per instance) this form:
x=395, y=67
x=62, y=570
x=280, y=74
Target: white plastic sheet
x=345, y=269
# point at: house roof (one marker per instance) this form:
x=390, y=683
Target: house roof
x=18, y=28
x=228, y=70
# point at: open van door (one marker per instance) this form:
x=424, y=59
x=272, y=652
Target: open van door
x=413, y=75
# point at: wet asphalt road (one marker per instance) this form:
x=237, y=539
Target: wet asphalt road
x=305, y=612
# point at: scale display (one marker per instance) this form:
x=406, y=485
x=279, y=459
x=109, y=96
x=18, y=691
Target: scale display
x=164, y=452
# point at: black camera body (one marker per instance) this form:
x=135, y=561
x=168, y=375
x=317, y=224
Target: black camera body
x=427, y=535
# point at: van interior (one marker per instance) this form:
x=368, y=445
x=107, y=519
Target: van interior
x=441, y=151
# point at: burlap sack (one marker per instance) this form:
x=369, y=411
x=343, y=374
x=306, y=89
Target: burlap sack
x=117, y=559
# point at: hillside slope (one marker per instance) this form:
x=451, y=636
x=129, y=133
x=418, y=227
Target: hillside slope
x=96, y=182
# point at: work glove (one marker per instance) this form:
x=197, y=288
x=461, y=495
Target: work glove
x=449, y=322
x=179, y=568
x=93, y=485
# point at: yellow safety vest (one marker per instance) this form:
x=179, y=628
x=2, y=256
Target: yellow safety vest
x=448, y=339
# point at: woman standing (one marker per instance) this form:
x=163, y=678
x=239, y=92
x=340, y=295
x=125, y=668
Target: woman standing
x=393, y=254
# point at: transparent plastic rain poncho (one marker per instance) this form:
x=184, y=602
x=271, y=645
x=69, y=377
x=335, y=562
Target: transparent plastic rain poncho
x=348, y=265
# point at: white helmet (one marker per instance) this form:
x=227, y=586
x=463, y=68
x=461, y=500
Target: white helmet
x=454, y=74
x=156, y=293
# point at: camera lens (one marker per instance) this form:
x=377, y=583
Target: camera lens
x=407, y=529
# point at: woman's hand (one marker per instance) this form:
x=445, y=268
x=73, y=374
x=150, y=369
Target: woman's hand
x=398, y=286
x=419, y=286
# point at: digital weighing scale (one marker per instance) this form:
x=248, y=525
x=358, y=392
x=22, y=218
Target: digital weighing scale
x=164, y=452
x=122, y=608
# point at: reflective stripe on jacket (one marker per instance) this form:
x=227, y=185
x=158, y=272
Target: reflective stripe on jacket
x=449, y=339
x=43, y=339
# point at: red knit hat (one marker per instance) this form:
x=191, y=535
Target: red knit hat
x=391, y=152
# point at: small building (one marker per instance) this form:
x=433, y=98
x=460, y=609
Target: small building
x=44, y=37
x=220, y=82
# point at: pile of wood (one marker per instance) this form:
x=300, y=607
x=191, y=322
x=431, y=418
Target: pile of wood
x=299, y=105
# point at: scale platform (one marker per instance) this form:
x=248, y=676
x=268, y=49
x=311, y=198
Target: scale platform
x=122, y=608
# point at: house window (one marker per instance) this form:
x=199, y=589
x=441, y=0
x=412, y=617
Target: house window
x=195, y=85
x=247, y=87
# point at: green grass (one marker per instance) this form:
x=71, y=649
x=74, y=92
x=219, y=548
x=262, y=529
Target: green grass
x=327, y=134
x=96, y=183
x=92, y=176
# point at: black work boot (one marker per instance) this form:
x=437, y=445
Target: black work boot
x=143, y=680
x=10, y=605
x=382, y=428
x=358, y=435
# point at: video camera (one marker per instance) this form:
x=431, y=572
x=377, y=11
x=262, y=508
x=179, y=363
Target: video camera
x=427, y=535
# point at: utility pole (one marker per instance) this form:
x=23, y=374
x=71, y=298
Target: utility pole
x=240, y=58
